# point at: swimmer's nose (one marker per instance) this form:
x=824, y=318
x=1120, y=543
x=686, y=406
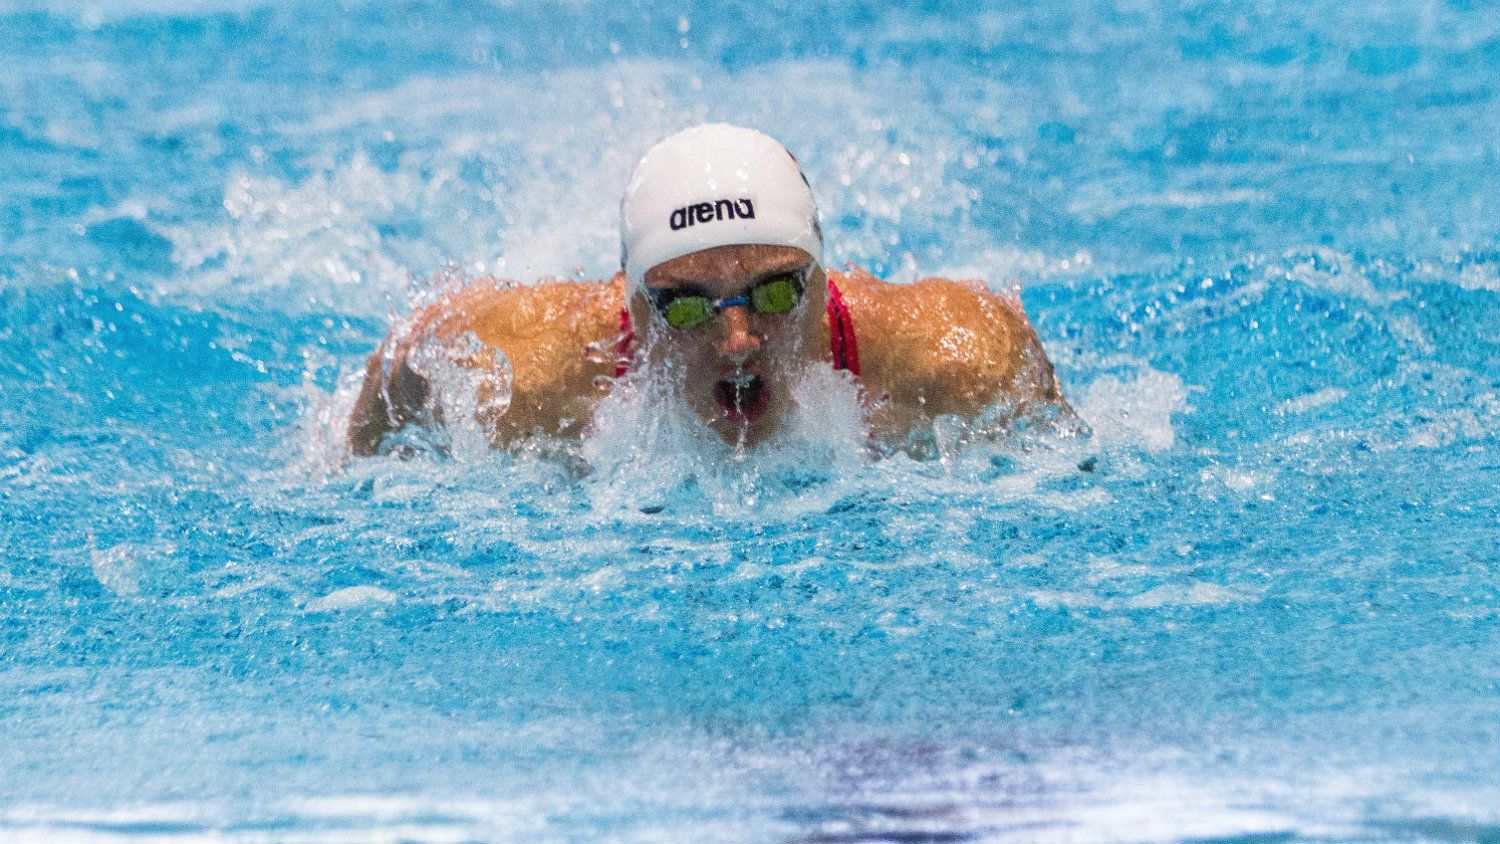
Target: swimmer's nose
x=736, y=341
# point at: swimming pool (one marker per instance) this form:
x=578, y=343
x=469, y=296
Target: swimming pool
x=1262, y=244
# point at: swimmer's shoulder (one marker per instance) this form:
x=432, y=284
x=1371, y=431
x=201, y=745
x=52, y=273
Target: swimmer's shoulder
x=947, y=345
x=510, y=315
x=556, y=335
x=549, y=332
x=884, y=300
x=943, y=327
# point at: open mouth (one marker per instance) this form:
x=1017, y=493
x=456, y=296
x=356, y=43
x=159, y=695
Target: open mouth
x=742, y=397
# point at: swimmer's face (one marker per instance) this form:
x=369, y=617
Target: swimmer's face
x=737, y=367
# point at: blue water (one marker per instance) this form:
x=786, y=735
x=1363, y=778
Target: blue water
x=1260, y=241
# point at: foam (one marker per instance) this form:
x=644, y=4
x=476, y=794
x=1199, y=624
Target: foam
x=1095, y=205
x=1136, y=410
x=537, y=195
x=1480, y=276
x=350, y=597
x=1330, y=270
x=1190, y=593
x=117, y=569
x=126, y=568
x=92, y=13
x=1313, y=400
x=1239, y=483
x=312, y=246
x=1477, y=421
x=646, y=445
x=646, y=450
x=1193, y=594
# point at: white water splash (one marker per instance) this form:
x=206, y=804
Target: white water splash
x=350, y=597
x=646, y=444
x=1134, y=411
x=1312, y=401
x=537, y=195
x=1330, y=270
x=117, y=568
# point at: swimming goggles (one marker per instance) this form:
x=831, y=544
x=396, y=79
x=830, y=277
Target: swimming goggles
x=691, y=307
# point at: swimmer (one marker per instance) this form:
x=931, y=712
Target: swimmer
x=721, y=283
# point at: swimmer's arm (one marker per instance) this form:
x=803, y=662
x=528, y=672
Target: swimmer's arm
x=1007, y=368
x=545, y=331
x=942, y=347
x=370, y=418
x=393, y=393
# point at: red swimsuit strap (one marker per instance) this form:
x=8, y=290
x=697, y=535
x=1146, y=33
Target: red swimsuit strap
x=625, y=348
x=841, y=332
x=840, y=336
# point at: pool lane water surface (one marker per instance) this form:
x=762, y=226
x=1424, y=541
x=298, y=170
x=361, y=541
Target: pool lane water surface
x=1259, y=603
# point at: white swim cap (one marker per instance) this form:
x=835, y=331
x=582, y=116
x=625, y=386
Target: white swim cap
x=714, y=185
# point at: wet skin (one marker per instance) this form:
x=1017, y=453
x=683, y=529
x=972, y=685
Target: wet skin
x=926, y=349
